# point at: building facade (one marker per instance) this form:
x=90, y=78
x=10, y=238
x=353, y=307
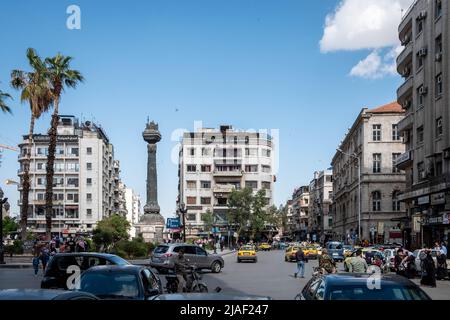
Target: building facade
x=213, y=163
x=133, y=208
x=374, y=140
x=300, y=212
x=321, y=195
x=425, y=97
x=84, y=179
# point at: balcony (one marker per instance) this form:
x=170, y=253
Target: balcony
x=234, y=173
x=405, y=90
x=227, y=188
x=404, y=59
x=406, y=123
x=404, y=160
x=406, y=22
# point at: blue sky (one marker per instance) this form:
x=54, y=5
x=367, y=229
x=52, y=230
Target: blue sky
x=253, y=64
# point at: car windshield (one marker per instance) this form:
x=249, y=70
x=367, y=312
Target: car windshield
x=119, y=261
x=335, y=246
x=161, y=249
x=110, y=285
x=247, y=248
x=386, y=292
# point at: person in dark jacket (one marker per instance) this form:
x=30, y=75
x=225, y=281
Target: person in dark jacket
x=301, y=260
x=441, y=271
x=398, y=259
x=409, y=262
x=428, y=271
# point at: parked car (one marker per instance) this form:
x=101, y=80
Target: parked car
x=417, y=261
x=389, y=255
x=44, y=294
x=289, y=254
x=358, y=286
x=264, y=246
x=335, y=250
x=164, y=255
x=247, y=253
x=128, y=282
x=56, y=273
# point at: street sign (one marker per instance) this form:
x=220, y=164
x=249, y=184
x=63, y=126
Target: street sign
x=173, y=223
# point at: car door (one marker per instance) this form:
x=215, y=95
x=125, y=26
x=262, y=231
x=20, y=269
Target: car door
x=310, y=290
x=320, y=292
x=191, y=254
x=150, y=281
x=202, y=258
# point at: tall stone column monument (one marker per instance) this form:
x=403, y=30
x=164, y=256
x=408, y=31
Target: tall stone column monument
x=151, y=224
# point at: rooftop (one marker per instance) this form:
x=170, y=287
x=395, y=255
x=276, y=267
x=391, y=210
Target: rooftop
x=392, y=107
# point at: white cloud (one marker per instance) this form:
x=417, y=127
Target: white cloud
x=366, y=24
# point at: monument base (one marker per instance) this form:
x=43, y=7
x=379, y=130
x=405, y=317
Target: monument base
x=151, y=227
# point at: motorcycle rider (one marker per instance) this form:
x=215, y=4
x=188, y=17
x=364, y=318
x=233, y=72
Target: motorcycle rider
x=181, y=270
x=326, y=263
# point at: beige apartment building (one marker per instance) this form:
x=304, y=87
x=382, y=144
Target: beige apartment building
x=374, y=142
x=424, y=95
x=320, y=196
x=300, y=213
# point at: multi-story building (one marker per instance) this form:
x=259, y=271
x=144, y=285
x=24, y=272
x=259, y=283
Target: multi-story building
x=300, y=207
x=83, y=182
x=321, y=195
x=290, y=221
x=213, y=163
x=425, y=97
x=133, y=208
x=119, y=203
x=374, y=142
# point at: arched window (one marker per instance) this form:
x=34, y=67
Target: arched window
x=376, y=201
x=395, y=201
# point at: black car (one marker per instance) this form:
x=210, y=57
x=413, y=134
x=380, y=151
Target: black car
x=44, y=294
x=62, y=265
x=361, y=286
x=128, y=282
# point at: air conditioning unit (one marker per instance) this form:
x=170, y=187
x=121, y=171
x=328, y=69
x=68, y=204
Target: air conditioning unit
x=422, y=52
x=423, y=90
x=438, y=56
x=447, y=154
x=422, y=15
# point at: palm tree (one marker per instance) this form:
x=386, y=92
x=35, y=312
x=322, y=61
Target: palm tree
x=36, y=91
x=3, y=106
x=59, y=75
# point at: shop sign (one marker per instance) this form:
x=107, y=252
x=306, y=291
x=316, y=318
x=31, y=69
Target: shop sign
x=443, y=218
x=423, y=200
x=438, y=198
x=416, y=224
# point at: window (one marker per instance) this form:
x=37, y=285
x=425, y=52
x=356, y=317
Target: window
x=205, y=184
x=420, y=134
x=58, y=182
x=89, y=150
x=265, y=152
x=419, y=26
x=251, y=152
x=265, y=169
x=191, y=152
x=40, y=166
x=72, y=182
x=439, y=89
x=191, y=168
x=376, y=201
x=206, y=168
x=395, y=202
x=73, y=167
x=376, y=132
x=89, y=212
x=206, y=151
x=251, y=184
x=394, y=160
x=191, y=217
x=395, y=133
x=73, y=152
x=88, y=196
x=235, y=140
x=420, y=61
x=251, y=168
x=420, y=96
x=438, y=44
x=72, y=197
x=88, y=181
x=438, y=9
x=439, y=129
x=191, y=184
x=438, y=167
x=40, y=181
x=42, y=151
x=205, y=200
x=421, y=170
x=265, y=185
x=191, y=200
x=59, y=166
x=40, y=196
x=59, y=151
x=376, y=162
x=89, y=166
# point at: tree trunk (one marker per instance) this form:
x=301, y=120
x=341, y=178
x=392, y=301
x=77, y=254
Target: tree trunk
x=26, y=183
x=50, y=171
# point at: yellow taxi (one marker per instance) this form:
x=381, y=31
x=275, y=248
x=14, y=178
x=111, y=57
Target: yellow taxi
x=311, y=252
x=247, y=253
x=264, y=246
x=289, y=254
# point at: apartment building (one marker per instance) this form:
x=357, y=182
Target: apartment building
x=321, y=195
x=133, y=208
x=424, y=95
x=213, y=163
x=300, y=208
x=84, y=179
x=375, y=143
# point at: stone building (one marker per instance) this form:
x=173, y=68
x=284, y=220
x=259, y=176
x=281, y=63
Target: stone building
x=375, y=141
x=425, y=97
x=321, y=195
x=300, y=208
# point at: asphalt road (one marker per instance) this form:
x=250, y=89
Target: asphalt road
x=270, y=276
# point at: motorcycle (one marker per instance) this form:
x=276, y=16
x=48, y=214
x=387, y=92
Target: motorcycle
x=194, y=285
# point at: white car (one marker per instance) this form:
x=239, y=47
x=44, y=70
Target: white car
x=389, y=255
x=417, y=261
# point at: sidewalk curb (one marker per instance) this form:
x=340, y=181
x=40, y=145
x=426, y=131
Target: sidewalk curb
x=16, y=266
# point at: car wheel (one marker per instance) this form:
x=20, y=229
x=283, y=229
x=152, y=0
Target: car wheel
x=285, y=259
x=255, y=261
x=238, y=261
x=216, y=267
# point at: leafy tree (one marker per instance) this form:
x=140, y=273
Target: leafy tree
x=9, y=225
x=208, y=220
x=110, y=231
x=258, y=215
x=59, y=75
x=36, y=91
x=239, y=208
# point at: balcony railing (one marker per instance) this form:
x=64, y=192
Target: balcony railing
x=234, y=173
x=406, y=123
x=405, y=89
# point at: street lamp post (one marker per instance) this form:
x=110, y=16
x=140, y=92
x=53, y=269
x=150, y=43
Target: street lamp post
x=3, y=202
x=354, y=156
x=183, y=211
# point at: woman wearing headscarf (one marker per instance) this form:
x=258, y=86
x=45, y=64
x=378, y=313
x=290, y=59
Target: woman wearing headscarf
x=441, y=271
x=428, y=270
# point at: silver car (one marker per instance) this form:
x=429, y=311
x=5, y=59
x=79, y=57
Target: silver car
x=164, y=255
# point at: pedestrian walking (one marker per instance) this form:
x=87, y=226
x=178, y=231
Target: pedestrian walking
x=44, y=257
x=441, y=270
x=428, y=270
x=221, y=246
x=409, y=265
x=398, y=259
x=301, y=260
x=36, y=264
x=357, y=264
